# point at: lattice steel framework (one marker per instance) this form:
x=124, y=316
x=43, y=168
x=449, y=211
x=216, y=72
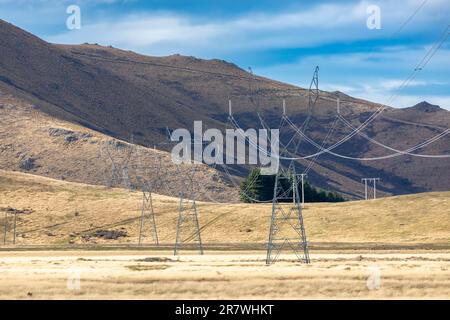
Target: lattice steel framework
x=188, y=227
x=119, y=165
x=7, y=229
x=287, y=229
x=150, y=180
x=374, y=180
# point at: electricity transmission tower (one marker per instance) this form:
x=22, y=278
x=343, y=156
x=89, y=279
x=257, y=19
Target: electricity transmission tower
x=147, y=214
x=150, y=181
x=313, y=96
x=188, y=228
x=314, y=88
x=6, y=227
x=119, y=165
x=287, y=229
x=366, y=180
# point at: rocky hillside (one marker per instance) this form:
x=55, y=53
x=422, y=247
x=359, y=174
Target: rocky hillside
x=121, y=94
x=36, y=143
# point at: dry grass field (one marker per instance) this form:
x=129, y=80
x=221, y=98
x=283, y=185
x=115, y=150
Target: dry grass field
x=54, y=214
x=62, y=213
x=131, y=275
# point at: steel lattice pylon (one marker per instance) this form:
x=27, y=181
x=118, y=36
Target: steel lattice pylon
x=188, y=228
x=9, y=229
x=286, y=226
x=119, y=165
x=313, y=92
x=187, y=221
x=149, y=178
x=147, y=215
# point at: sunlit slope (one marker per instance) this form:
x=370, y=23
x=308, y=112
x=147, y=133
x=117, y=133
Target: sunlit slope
x=59, y=212
x=135, y=98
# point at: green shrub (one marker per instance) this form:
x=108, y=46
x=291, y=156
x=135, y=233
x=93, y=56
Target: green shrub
x=257, y=187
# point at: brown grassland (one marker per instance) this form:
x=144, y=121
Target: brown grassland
x=406, y=238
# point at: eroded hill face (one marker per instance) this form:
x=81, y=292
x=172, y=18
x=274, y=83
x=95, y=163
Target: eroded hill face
x=36, y=143
x=123, y=95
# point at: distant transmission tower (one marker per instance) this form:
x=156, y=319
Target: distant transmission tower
x=314, y=88
x=366, y=180
x=287, y=229
x=119, y=165
x=188, y=228
x=313, y=96
x=149, y=181
x=6, y=227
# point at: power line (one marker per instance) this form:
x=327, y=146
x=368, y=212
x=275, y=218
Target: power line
x=410, y=18
x=222, y=74
x=362, y=126
x=282, y=218
x=6, y=227
x=372, y=117
x=425, y=60
x=397, y=152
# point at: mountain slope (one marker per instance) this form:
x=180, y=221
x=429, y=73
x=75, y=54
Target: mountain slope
x=33, y=142
x=123, y=94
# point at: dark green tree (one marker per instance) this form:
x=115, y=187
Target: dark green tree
x=257, y=187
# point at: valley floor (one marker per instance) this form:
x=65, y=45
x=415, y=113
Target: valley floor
x=396, y=247
x=231, y=275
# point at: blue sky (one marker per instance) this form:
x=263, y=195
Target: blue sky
x=283, y=40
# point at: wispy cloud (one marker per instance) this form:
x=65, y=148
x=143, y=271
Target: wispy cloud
x=316, y=25
x=254, y=30
x=377, y=76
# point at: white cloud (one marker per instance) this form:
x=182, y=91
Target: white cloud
x=166, y=33
x=397, y=83
x=376, y=76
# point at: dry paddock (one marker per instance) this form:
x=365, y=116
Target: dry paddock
x=131, y=274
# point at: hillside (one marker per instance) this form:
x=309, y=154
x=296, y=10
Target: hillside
x=59, y=212
x=122, y=94
x=34, y=142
